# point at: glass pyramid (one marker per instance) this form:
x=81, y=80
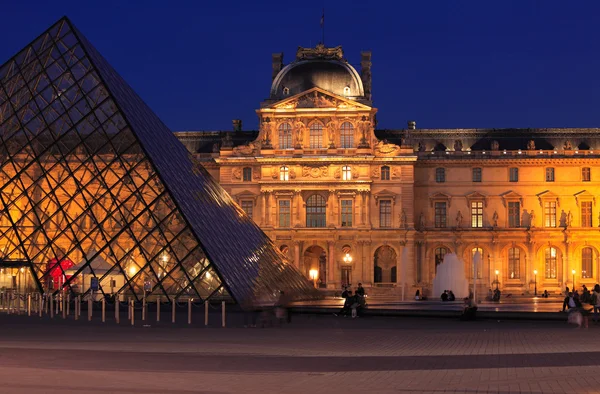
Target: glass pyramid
x=97, y=194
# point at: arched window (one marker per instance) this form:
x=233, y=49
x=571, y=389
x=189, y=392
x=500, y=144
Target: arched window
x=347, y=135
x=315, y=211
x=385, y=173
x=439, y=256
x=346, y=173
x=347, y=91
x=285, y=136
x=480, y=266
x=284, y=173
x=587, y=258
x=286, y=91
x=514, y=263
x=316, y=136
x=550, y=271
x=247, y=174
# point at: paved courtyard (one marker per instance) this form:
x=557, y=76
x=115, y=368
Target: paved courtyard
x=315, y=354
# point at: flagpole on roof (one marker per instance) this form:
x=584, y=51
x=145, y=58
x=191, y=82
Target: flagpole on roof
x=323, y=27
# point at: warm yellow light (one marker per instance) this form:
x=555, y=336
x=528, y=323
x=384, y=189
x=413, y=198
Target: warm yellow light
x=132, y=270
x=22, y=269
x=208, y=275
x=573, y=272
x=535, y=272
x=347, y=258
x=314, y=274
x=497, y=272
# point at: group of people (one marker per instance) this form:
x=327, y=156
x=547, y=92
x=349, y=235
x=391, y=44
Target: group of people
x=573, y=302
x=448, y=295
x=494, y=295
x=353, y=304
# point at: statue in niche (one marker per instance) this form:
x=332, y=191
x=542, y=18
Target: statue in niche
x=567, y=145
x=403, y=222
x=422, y=221
x=459, y=219
x=532, y=219
x=495, y=219
x=331, y=134
x=266, y=132
x=569, y=219
x=495, y=145
x=458, y=146
x=299, y=132
x=531, y=145
x=421, y=146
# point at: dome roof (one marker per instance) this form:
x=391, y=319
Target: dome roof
x=335, y=76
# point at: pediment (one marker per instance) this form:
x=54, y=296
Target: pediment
x=547, y=195
x=384, y=194
x=511, y=196
x=246, y=195
x=439, y=196
x=318, y=98
x=584, y=195
x=476, y=196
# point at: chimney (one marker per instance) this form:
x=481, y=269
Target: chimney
x=277, y=60
x=412, y=125
x=365, y=72
x=237, y=125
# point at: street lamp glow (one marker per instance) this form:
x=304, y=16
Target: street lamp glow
x=573, y=272
x=535, y=272
x=314, y=274
x=497, y=272
x=347, y=258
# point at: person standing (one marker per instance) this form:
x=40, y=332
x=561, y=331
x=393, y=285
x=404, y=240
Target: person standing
x=596, y=301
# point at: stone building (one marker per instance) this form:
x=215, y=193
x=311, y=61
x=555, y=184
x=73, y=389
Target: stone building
x=348, y=203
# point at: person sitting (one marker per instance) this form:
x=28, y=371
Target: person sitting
x=545, y=295
x=470, y=309
x=348, y=301
x=418, y=295
x=360, y=294
x=444, y=296
x=571, y=302
x=451, y=296
x=490, y=295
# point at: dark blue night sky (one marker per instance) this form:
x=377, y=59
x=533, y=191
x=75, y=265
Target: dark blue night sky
x=445, y=64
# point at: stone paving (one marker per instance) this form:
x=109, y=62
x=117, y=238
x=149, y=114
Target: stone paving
x=314, y=354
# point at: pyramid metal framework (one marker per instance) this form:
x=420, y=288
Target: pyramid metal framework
x=96, y=193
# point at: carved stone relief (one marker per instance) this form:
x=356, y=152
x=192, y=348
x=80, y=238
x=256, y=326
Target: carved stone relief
x=315, y=172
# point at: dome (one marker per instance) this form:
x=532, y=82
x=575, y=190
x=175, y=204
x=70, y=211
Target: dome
x=324, y=68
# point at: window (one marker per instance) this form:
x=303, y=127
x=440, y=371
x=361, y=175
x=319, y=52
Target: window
x=476, y=213
x=284, y=213
x=385, y=173
x=346, y=173
x=346, y=213
x=347, y=135
x=286, y=91
x=315, y=211
x=440, y=175
x=586, y=214
x=247, y=174
x=476, y=174
x=285, y=136
x=248, y=207
x=586, y=174
x=514, y=263
x=587, y=258
x=549, y=213
x=316, y=136
x=550, y=272
x=440, y=215
x=514, y=214
x=347, y=91
x=385, y=213
x=514, y=175
x=550, y=174
x=480, y=266
x=439, y=256
x=284, y=173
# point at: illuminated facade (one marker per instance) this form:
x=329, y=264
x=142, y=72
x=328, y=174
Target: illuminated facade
x=345, y=201
x=97, y=195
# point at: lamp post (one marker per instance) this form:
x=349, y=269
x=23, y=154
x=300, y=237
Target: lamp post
x=573, y=272
x=535, y=282
x=497, y=272
x=347, y=259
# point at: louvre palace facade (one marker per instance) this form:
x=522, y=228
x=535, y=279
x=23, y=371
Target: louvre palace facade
x=348, y=203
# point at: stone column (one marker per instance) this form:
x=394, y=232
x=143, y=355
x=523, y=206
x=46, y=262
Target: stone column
x=331, y=266
x=399, y=276
x=530, y=265
x=368, y=209
x=263, y=221
x=362, y=208
x=368, y=261
x=297, y=261
x=566, y=266
x=331, y=222
x=359, y=263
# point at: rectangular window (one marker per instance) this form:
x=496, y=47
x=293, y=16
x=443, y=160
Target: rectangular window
x=385, y=213
x=247, y=174
x=586, y=214
x=476, y=213
x=550, y=271
x=284, y=213
x=514, y=214
x=440, y=215
x=440, y=175
x=587, y=263
x=248, y=206
x=549, y=174
x=514, y=262
x=586, y=174
x=514, y=174
x=346, y=213
x=550, y=214
x=476, y=174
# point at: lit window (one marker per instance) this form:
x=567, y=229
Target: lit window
x=476, y=174
x=316, y=136
x=286, y=91
x=587, y=263
x=439, y=256
x=550, y=213
x=514, y=263
x=346, y=213
x=248, y=206
x=347, y=91
x=385, y=173
x=586, y=174
x=347, y=135
x=284, y=173
x=549, y=174
x=550, y=271
x=440, y=175
x=480, y=267
x=346, y=173
x=440, y=215
x=586, y=214
x=285, y=136
x=385, y=213
x=476, y=213
x=514, y=175
x=316, y=211
x=284, y=213
x=514, y=214
x=247, y=174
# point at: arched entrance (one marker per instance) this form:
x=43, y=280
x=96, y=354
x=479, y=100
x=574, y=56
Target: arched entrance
x=385, y=265
x=315, y=259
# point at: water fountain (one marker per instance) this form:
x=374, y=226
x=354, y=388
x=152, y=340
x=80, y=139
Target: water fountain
x=451, y=276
